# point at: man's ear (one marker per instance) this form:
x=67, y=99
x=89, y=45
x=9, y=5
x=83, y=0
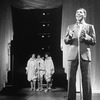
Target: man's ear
x=85, y=15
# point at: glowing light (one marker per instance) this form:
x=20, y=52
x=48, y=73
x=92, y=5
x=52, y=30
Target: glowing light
x=43, y=25
x=42, y=48
x=48, y=25
x=43, y=13
x=42, y=36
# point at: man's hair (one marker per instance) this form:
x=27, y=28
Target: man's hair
x=85, y=13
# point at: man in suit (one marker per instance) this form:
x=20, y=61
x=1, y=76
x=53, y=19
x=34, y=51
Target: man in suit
x=79, y=37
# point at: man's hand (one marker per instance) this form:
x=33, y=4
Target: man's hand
x=87, y=37
x=84, y=36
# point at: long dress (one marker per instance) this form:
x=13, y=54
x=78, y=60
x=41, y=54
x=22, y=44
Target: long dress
x=31, y=69
x=40, y=67
x=49, y=68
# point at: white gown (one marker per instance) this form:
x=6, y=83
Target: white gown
x=40, y=67
x=31, y=69
x=49, y=68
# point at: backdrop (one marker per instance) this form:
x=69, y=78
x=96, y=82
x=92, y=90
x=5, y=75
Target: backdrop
x=6, y=35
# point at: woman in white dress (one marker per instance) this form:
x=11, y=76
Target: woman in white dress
x=31, y=72
x=49, y=69
x=40, y=72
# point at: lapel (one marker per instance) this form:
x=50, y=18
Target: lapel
x=75, y=29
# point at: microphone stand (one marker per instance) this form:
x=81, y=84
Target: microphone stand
x=39, y=75
x=79, y=59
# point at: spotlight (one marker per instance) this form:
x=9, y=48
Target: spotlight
x=42, y=48
x=43, y=25
x=42, y=36
x=43, y=13
x=48, y=24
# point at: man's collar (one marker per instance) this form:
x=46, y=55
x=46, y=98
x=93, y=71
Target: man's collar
x=81, y=23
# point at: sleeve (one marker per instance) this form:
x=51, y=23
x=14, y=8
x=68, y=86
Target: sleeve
x=52, y=67
x=68, y=37
x=67, y=32
x=27, y=68
x=91, y=36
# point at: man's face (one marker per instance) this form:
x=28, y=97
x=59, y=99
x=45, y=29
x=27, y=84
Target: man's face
x=80, y=15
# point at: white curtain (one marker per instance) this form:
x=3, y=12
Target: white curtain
x=39, y=4
x=6, y=35
x=68, y=18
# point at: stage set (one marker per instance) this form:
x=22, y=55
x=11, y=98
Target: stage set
x=39, y=26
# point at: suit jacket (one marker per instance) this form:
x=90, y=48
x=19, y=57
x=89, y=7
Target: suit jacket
x=84, y=43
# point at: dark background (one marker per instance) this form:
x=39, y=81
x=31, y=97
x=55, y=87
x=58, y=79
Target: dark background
x=30, y=36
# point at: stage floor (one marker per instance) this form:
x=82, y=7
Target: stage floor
x=26, y=94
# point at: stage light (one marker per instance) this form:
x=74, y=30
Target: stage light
x=48, y=47
x=42, y=48
x=43, y=25
x=48, y=24
x=42, y=36
x=43, y=13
